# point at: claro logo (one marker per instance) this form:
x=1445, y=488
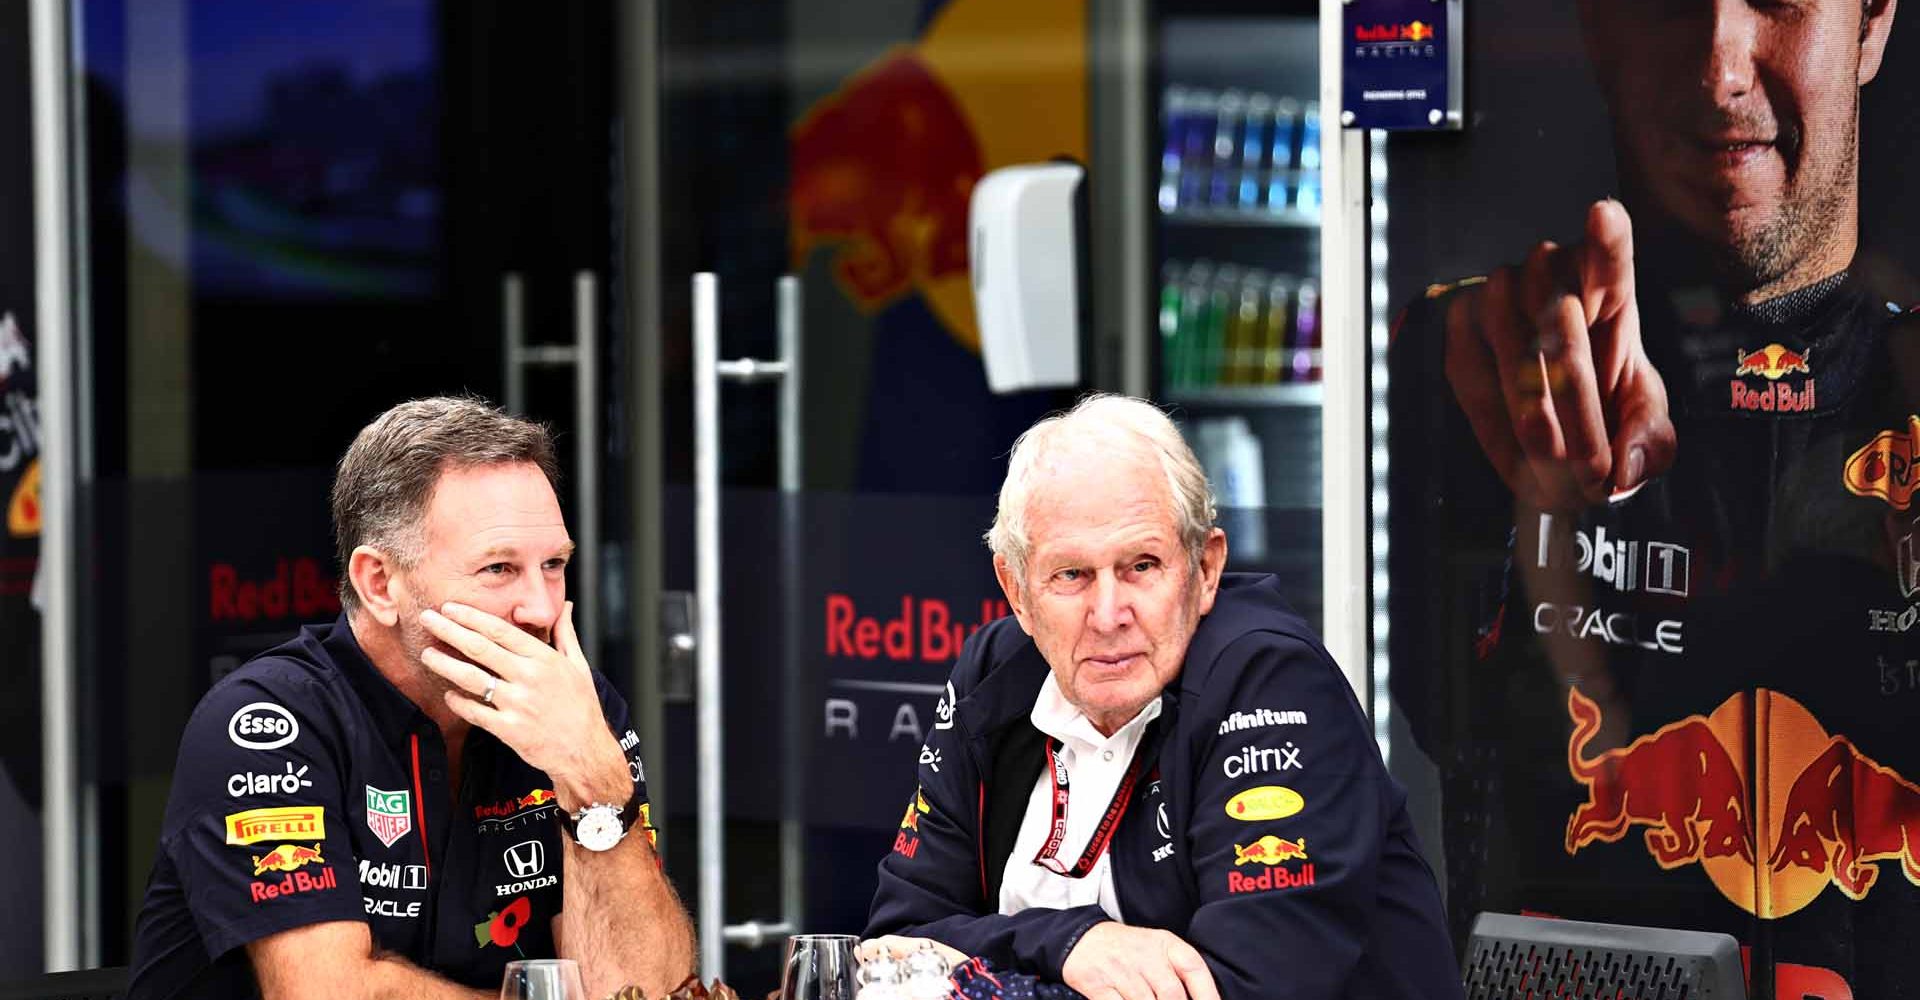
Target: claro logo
x=262, y=725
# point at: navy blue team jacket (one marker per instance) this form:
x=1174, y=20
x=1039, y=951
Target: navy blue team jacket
x=310, y=789
x=1267, y=833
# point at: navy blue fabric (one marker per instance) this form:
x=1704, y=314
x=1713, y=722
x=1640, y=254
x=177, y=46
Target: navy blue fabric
x=471, y=882
x=1358, y=915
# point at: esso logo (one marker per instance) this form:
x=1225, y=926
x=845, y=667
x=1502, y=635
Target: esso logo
x=262, y=725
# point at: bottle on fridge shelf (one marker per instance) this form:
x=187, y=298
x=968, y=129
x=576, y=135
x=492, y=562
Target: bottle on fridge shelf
x=1307, y=195
x=1196, y=147
x=1310, y=137
x=1226, y=148
x=1243, y=335
x=1306, y=327
x=1230, y=454
x=1274, y=332
x=1196, y=301
x=1282, y=162
x=1223, y=299
x=1170, y=322
x=1174, y=126
x=1253, y=150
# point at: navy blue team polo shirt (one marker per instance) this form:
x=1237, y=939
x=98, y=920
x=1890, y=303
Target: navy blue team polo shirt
x=309, y=789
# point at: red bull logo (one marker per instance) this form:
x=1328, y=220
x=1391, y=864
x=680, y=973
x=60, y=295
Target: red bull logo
x=1884, y=466
x=293, y=883
x=1270, y=850
x=906, y=843
x=1843, y=813
x=1772, y=362
x=1827, y=813
x=915, y=809
x=286, y=858
x=1271, y=880
x=514, y=805
x=1415, y=31
x=1685, y=789
x=883, y=169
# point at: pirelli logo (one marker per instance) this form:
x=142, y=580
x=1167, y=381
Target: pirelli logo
x=277, y=823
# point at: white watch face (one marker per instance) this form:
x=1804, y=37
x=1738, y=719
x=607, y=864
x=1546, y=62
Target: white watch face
x=599, y=829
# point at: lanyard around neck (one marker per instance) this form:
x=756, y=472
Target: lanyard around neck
x=1102, y=834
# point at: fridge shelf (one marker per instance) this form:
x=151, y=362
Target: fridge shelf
x=1284, y=394
x=1239, y=218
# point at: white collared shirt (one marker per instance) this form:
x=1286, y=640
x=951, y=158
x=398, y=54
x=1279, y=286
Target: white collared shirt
x=1095, y=766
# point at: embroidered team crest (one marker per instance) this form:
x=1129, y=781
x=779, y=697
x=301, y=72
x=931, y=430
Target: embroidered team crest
x=389, y=814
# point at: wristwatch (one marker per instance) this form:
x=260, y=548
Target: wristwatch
x=601, y=825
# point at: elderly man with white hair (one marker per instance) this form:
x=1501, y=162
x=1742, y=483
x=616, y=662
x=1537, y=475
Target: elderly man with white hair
x=1153, y=782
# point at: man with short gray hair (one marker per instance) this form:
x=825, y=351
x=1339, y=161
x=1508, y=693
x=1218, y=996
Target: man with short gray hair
x=401, y=802
x=1153, y=782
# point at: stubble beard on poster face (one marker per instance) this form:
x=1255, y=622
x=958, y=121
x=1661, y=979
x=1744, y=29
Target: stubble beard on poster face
x=1813, y=213
x=1759, y=256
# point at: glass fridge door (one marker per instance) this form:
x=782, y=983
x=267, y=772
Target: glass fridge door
x=1237, y=209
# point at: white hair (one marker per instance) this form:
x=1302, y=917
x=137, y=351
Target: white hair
x=1104, y=415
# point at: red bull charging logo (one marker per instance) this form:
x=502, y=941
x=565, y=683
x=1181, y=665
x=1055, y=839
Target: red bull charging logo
x=1772, y=362
x=884, y=170
x=286, y=858
x=1826, y=814
x=1270, y=850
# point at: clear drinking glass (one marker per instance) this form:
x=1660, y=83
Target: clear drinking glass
x=543, y=979
x=819, y=967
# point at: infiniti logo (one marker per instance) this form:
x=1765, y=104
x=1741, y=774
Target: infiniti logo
x=526, y=859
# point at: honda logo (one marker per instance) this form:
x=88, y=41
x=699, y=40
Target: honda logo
x=525, y=860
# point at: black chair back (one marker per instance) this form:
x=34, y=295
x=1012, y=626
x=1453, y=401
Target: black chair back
x=1521, y=958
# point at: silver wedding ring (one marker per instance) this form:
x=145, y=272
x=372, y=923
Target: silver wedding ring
x=486, y=698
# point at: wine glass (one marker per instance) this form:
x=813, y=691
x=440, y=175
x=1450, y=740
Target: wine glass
x=543, y=979
x=819, y=967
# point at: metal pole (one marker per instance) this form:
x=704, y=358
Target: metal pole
x=60, y=859
x=1343, y=417
x=792, y=828
x=641, y=280
x=513, y=332
x=1120, y=111
x=586, y=401
x=706, y=535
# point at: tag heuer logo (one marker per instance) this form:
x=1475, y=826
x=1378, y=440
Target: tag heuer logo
x=389, y=814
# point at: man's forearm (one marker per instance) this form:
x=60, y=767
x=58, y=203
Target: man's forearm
x=284, y=965
x=394, y=978
x=622, y=920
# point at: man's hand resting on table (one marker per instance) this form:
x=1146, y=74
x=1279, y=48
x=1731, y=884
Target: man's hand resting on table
x=1117, y=962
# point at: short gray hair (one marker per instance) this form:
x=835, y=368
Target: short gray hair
x=1104, y=415
x=386, y=479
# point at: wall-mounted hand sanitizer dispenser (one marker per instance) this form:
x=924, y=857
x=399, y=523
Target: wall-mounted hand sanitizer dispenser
x=1026, y=274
